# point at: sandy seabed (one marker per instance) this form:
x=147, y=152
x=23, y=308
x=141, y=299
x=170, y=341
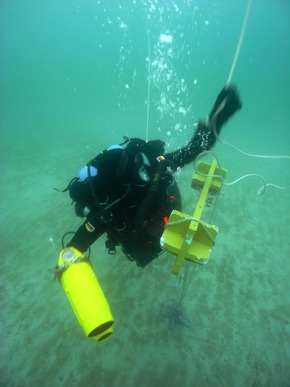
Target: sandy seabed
x=237, y=304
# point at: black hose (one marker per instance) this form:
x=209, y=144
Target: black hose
x=73, y=232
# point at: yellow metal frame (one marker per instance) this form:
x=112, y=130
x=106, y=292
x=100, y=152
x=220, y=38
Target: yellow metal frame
x=186, y=236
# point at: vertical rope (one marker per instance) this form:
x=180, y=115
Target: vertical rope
x=238, y=49
x=188, y=273
x=148, y=85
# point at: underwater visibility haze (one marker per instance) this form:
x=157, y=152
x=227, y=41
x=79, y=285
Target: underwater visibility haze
x=77, y=76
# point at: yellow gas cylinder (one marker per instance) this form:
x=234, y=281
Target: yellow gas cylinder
x=85, y=295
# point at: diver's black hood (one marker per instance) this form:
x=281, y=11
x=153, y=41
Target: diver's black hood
x=152, y=149
x=133, y=164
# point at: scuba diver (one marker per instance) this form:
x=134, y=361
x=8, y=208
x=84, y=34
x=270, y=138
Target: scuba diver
x=129, y=190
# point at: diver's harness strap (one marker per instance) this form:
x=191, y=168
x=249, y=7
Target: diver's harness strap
x=59, y=270
x=74, y=179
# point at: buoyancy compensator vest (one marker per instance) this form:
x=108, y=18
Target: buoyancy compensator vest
x=107, y=178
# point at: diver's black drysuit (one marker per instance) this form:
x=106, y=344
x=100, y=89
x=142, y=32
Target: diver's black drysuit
x=134, y=190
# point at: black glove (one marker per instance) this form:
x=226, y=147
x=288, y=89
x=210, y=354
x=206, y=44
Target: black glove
x=226, y=104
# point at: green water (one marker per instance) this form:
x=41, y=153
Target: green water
x=76, y=76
